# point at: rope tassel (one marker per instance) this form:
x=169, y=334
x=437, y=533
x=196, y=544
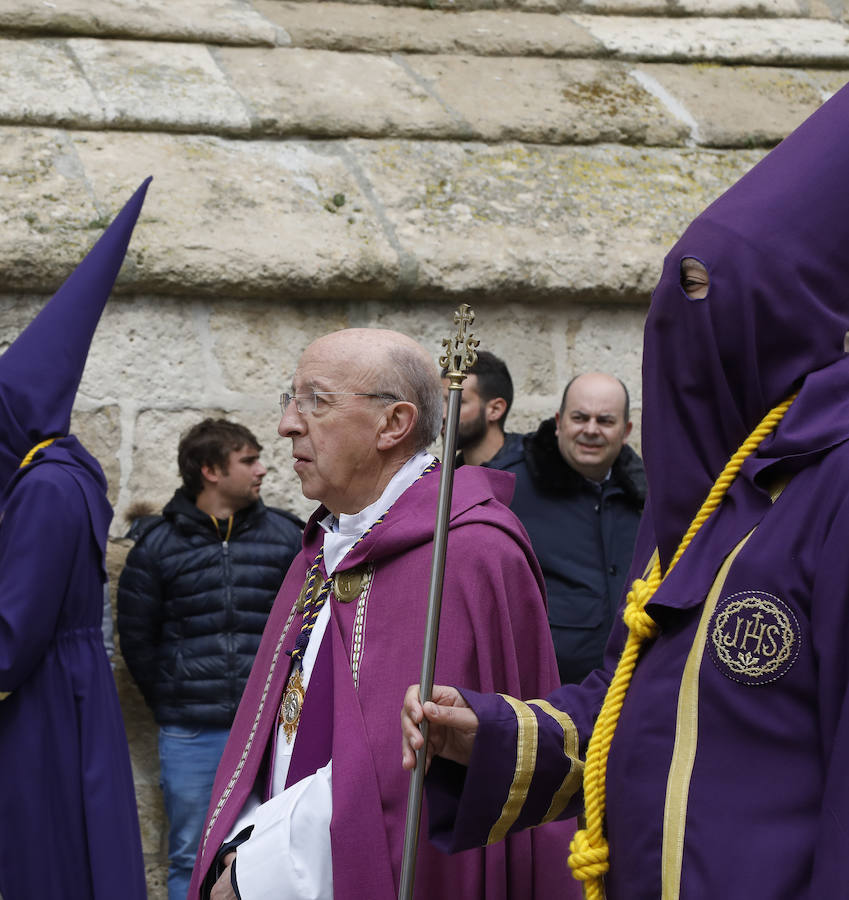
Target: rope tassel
x=589, y=857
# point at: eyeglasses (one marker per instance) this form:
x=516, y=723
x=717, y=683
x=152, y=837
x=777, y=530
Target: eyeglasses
x=305, y=403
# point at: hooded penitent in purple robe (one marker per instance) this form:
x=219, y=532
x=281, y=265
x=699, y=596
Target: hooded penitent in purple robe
x=727, y=774
x=493, y=634
x=67, y=804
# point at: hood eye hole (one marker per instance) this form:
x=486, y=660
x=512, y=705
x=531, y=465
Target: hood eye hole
x=694, y=278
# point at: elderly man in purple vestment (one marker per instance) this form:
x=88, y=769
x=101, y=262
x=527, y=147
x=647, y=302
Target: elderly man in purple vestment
x=717, y=763
x=67, y=803
x=308, y=794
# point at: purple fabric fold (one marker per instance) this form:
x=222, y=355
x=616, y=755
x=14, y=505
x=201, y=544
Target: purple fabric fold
x=315, y=726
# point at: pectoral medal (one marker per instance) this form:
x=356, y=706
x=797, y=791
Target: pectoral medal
x=348, y=585
x=290, y=708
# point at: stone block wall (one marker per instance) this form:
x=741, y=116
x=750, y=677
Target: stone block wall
x=319, y=165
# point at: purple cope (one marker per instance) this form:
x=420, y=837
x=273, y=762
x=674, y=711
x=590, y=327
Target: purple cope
x=727, y=774
x=493, y=634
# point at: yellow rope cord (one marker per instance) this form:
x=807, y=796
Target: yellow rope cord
x=28, y=458
x=589, y=857
x=218, y=527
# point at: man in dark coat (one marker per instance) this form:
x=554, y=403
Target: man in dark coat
x=67, y=802
x=580, y=491
x=193, y=600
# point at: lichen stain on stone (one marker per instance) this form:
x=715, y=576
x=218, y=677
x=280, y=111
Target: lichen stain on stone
x=228, y=196
x=706, y=67
x=580, y=192
x=195, y=150
x=787, y=85
x=604, y=97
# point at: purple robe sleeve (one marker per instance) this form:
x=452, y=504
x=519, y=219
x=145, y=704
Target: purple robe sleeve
x=527, y=763
x=38, y=539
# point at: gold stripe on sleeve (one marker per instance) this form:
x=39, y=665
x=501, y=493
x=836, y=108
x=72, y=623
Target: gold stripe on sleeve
x=571, y=745
x=5, y=694
x=686, y=741
x=526, y=758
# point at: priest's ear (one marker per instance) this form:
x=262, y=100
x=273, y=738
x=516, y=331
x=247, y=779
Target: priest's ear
x=399, y=420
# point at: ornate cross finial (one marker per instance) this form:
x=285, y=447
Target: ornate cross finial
x=458, y=353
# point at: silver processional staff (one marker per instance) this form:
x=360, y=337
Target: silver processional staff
x=458, y=355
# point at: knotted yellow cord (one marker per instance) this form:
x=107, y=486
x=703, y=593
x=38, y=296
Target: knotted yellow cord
x=589, y=857
x=28, y=458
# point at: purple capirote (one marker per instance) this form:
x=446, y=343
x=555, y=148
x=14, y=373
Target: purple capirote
x=67, y=801
x=727, y=775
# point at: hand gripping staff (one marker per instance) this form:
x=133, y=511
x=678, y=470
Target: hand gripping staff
x=457, y=356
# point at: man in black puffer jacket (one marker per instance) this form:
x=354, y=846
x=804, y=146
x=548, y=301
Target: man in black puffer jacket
x=193, y=600
x=579, y=492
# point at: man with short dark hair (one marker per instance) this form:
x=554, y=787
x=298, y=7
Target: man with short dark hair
x=193, y=599
x=487, y=398
x=309, y=800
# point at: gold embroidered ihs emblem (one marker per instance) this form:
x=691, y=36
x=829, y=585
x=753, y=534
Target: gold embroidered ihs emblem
x=349, y=585
x=754, y=637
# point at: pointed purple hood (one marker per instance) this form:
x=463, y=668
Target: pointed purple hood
x=41, y=371
x=775, y=246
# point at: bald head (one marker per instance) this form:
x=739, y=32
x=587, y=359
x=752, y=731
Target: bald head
x=593, y=423
x=596, y=380
x=398, y=366
x=367, y=401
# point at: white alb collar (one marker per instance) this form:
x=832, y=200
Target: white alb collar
x=342, y=533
